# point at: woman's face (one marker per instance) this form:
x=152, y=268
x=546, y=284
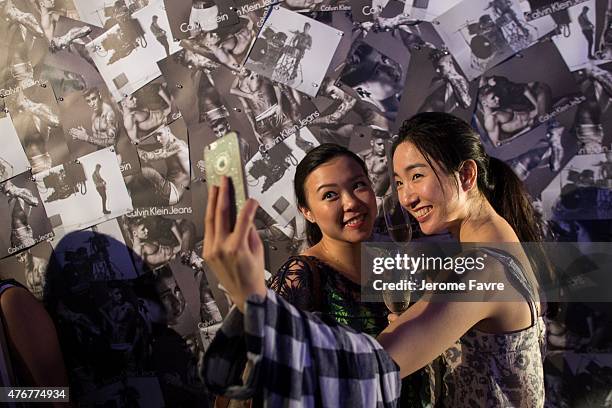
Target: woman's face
x=341, y=200
x=434, y=203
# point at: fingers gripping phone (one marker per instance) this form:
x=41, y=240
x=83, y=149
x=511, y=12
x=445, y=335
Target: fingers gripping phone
x=222, y=158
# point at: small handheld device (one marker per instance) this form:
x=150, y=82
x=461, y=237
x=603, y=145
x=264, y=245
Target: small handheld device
x=222, y=158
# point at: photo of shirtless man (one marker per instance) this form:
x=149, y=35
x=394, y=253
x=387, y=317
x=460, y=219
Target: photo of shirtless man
x=35, y=123
x=21, y=201
x=262, y=100
x=509, y=109
x=168, y=189
x=35, y=269
x=147, y=244
x=140, y=120
x=104, y=122
x=228, y=46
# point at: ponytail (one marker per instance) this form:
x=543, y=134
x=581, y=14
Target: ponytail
x=508, y=196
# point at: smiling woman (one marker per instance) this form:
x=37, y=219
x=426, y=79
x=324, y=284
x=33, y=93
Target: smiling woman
x=335, y=195
x=336, y=198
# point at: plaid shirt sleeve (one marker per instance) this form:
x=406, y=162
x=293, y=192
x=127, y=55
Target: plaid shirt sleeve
x=298, y=360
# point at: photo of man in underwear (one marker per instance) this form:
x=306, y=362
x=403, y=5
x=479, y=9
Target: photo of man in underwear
x=35, y=269
x=21, y=201
x=262, y=102
x=35, y=122
x=168, y=189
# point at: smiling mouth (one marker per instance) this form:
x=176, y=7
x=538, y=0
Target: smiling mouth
x=422, y=212
x=355, y=221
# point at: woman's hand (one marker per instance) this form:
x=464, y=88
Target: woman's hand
x=235, y=257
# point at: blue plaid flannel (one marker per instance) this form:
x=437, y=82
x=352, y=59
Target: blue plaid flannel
x=298, y=360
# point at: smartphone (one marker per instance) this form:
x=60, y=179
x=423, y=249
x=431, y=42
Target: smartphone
x=222, y=158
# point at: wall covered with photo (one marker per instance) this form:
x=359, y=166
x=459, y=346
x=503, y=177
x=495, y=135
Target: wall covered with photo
x=107, y=107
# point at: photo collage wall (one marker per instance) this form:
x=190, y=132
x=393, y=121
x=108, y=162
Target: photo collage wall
x=106, y=107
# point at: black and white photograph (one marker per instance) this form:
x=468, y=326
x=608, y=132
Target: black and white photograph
x=191, y=84
x=340, y=114
x=581, y=191
x=29, y=267
x=22, y=46
x=68, y=59
x=481, y=33
x=188, y=18
x=23, y=215
x=435, y=83
x=102, y=248
x=147, y=110
x=229, y=45
x=165, y=172
x=156, y=240
x=374, y=148
x=35, y=115
x=272, y=111
x=13, y=160
x=101, y=13
x=126, y=54
x=269, y=175
x=294, y=50
x=92, y=122
x=603, y=29
x=84, y=192
x=203, y=135
x=512, y=100
x=593, y=121
x=178, y=292
x=578, y=48
x=375, y=78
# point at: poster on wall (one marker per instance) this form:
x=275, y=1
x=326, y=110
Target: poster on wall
x=294, y=50
x=512, y=101
x=162, y=185
x=92, y=121
x=13, y=160
x=35, y=115
x=83, y=192
x=481, y=33
x=22, y=214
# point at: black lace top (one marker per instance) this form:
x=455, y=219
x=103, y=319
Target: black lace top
x=330, y=293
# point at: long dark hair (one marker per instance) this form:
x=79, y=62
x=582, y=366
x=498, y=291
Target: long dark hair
x=316, y=157
x=450, y=141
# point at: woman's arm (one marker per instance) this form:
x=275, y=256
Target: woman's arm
x=427, y=329
x=32, y=340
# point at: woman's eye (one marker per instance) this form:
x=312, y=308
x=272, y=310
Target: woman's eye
x=329, y=195
x=360, y=184
x=416, y=176
x=398, y=183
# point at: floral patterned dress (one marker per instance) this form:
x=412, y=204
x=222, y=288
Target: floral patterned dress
x=498, y=370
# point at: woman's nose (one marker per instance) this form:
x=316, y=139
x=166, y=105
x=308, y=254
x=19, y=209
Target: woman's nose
x=407, y=197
